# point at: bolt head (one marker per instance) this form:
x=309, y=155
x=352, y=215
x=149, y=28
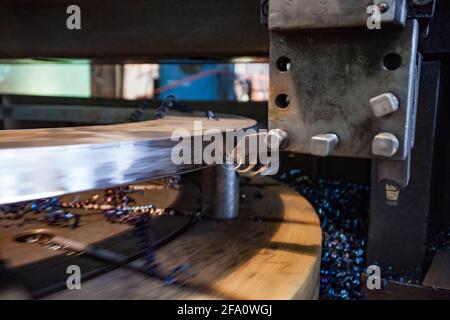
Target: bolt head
x=323, y=145
x=384, y=7
x=277, y=139
x=384, y=104
x=385, y=145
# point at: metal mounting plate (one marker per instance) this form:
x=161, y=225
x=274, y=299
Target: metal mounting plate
x=330, y=81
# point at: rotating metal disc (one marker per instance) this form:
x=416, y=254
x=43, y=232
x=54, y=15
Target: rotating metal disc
x=40, y=163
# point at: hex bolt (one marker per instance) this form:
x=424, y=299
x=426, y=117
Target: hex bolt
x=385, y=145
x=384, y=104
x=277, y=139
x=323, y=145
x=384, y=7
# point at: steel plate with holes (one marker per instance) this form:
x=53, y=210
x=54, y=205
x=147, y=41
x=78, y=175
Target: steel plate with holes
x=50, y=162
x=323, y=83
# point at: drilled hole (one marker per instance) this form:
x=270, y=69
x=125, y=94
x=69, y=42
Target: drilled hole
x=282, y=101
x=283, y=64
x=392, y=61
x=34, y=236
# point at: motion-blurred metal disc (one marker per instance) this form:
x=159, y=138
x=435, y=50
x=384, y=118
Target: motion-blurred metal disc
x=40, y=163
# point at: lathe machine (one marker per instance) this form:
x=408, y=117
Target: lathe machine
x=358, y=93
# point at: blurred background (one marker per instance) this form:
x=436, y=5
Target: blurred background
x=187, y=81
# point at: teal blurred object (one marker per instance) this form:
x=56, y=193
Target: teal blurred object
x=46, y=79
x=197, y=81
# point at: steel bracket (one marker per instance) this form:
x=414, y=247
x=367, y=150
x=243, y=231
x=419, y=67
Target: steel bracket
x=324, y=76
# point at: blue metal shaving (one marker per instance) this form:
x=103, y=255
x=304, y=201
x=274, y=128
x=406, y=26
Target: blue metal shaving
x=343, y=210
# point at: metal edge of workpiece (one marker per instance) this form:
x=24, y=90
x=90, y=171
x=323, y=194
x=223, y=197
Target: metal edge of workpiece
x=29, y=172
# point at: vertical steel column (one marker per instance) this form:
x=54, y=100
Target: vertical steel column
x=220, y=192
x=398, y=233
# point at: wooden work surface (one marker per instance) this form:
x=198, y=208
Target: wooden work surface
x=272, y=251
x=38, y=271
x=93, y=228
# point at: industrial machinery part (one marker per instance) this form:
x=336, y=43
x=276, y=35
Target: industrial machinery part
x=385, y=145
x=384, y=104
x=341, y=89
x=308, y=15
x=251, y=153
x=41, y=163
x=324, y=144
x=277, y=139
x=408, y=214
x=220, y=192
x=275, y=241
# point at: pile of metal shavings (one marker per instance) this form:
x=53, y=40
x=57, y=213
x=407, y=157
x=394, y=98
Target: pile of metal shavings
x=114, y=203
x=343, y=210
x=167, y=104
x=40, y=211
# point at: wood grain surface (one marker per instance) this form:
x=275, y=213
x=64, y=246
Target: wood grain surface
x=272, y=251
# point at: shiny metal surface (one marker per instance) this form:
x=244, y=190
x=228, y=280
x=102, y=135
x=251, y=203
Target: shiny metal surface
x=384, y=104
x=385, y=145
x=220, y=192
x=51, y=162
x=331, y=80
x=323, y=145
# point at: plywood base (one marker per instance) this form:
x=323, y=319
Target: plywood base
x=272, y=251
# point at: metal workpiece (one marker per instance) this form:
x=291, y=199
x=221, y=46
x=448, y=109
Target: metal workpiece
x=384, y=104
x=323, y=145
x=385, y=145
x=330, y=81
x=332, y=14
x=40, y=163
x=220, y=192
